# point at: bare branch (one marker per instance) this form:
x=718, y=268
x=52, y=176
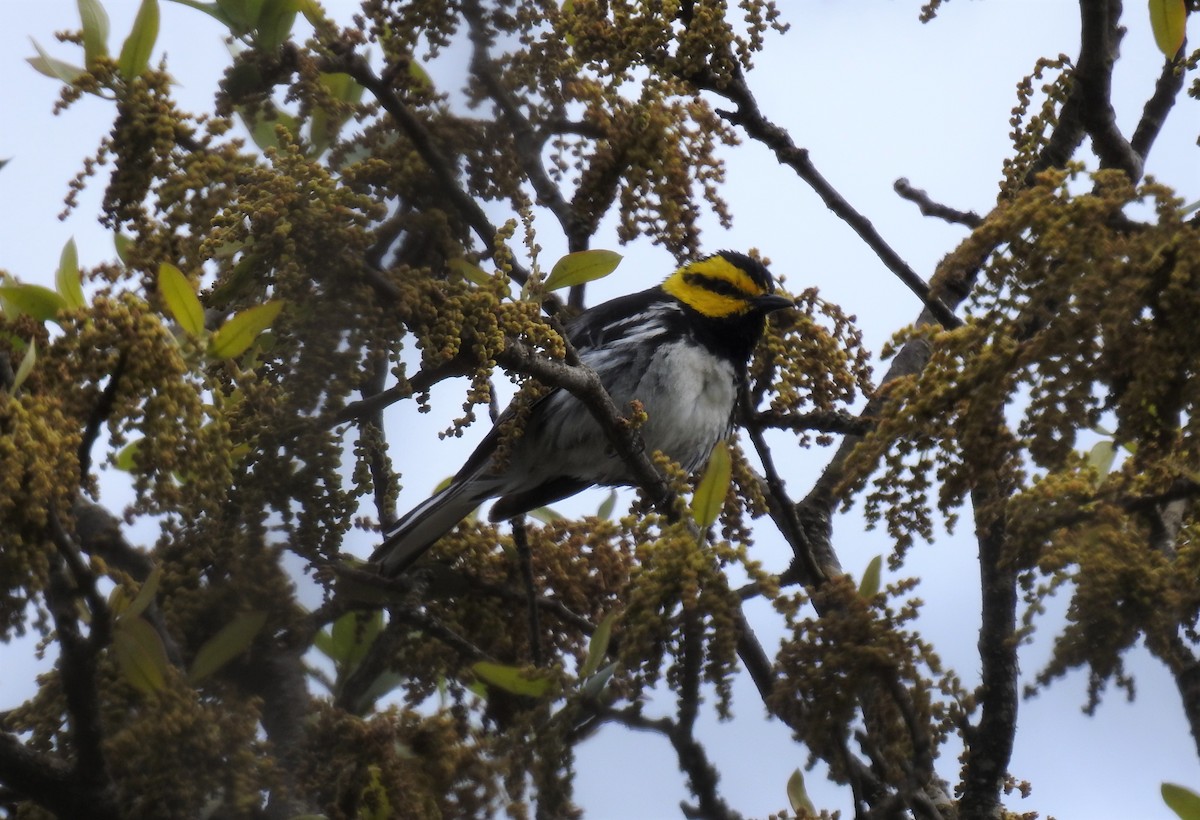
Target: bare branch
x=525, y=561
x=1154, y=115
x=354, y=64
x=526, y=143
x=751, y=119
x=693, y=761
x=930, y=208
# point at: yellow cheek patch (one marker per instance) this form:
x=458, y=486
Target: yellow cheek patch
x=683, y=285
x=703, y=300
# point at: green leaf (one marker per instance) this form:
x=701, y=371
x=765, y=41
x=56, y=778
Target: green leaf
x=122, y=243
x=567, y=7
x=181, y=299
x=593, y=687
x=607, y=505
x=53, y=68
x=70, y=287
x=869, y=586
x=472, y=273
x=211, y=9
x=798, y=795
x=262, y=130
x=710, y=493
x=316, y=17
x=242, y=13
x=323, y=641
x=126, y=458
x=236, y=335
x=26, y=366
x=1181, y=800
x=598, y=646
x=32, y=300
x=373, y=802
x=545, y=515
x=95, y=30
x=510, y=679
x=1102, y=456
x=274, y=23
x=421, y=81
x=145, y=595
x=352, y=636
x=582, y=266
x=233, y=639
x=139, y=45
x=1168, y=20
x=141, y=657
x=384, y=682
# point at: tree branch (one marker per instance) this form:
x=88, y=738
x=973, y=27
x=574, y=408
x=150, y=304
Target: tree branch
x=77, y=668
x=936, y=209
x=693, y=762
x=751, y=119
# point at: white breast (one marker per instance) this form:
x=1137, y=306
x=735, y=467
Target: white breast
x=689, y=395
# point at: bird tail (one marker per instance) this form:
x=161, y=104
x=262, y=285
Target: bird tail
x=416, y=532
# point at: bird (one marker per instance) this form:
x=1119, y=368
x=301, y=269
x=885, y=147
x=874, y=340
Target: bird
x=681, y=349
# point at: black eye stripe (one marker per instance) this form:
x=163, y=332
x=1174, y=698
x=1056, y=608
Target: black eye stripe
x=720, y=286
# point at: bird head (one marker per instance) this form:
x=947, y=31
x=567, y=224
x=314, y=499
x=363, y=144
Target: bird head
x=726, y=285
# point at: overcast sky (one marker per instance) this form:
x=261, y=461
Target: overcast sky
x=874, y=95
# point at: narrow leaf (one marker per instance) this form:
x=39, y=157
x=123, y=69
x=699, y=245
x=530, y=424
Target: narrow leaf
x=472, y=273
x=510, y=679
x=122, y=243
x=323, y=641
x=32, y=300
x=262, y=130
x=95, y=30
x=1181, y=800
x=53, y=68
x=26, y=366
x=545, y=515
x=869, y=586
x=211, y=9
x=582, y=266
x=125, y=459
x=384, y=683
x=145, y=595
x=593, y=687
x=233, y=639
x=1102, y=456
x=598, y=646
x=181, y=299
x=353, y=634
x=607, y=505
x=275, y=21
x=236, y=335
x=714, y=484
x=1168, y=20
x=421, y=81
x=140, y=654
x=798, y=795
x=70, y=287
x=139, y=45
x=242, y=13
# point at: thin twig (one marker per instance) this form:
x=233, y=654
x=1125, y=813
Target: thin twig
x=936, y=209
x=525, y=562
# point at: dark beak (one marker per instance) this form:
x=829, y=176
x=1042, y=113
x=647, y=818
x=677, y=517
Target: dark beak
x=769, y=303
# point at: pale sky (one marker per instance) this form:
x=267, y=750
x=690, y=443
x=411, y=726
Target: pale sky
x=874, y=95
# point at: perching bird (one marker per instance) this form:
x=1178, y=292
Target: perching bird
x=681, y=349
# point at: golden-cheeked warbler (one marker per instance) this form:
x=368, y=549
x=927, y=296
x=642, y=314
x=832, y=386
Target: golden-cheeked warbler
x=681, y=349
